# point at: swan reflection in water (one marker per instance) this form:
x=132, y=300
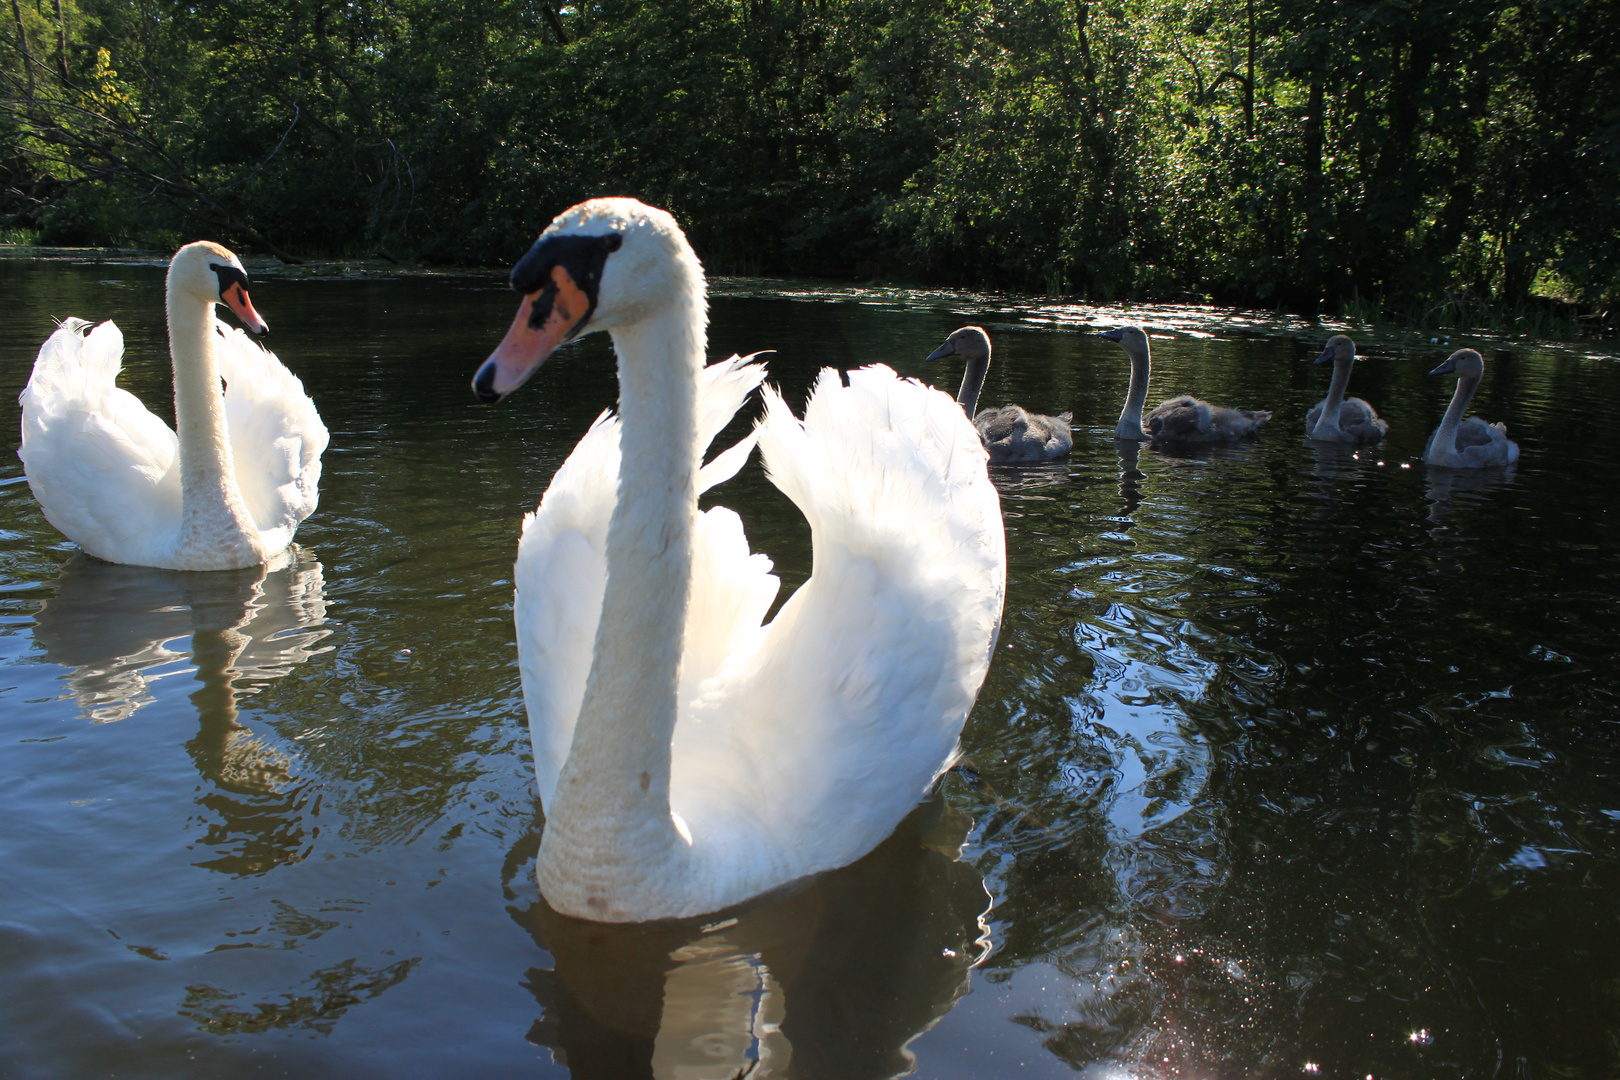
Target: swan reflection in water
x=1450, y=490
x=120, y=631
x=1130, y=474
x=833, y=977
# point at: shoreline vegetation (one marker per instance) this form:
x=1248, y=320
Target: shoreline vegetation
x=1447, y=163
x=1415, y=329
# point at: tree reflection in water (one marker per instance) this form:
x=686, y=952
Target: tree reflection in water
x=118, y=629
x=831, y=978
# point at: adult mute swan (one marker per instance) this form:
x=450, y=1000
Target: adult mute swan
x=1471, y=443
x=1337, y=418
x=229, y=491
x=688, y=757
x=1010, y=434
x=1180, y=419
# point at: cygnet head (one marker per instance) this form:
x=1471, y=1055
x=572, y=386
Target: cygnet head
x=1464, y=363
x=1338, y=347
x=1133, y=339
x=213, y=275
x=602, y=264
x=970, y=342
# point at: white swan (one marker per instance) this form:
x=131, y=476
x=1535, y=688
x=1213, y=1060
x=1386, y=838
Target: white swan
x=1180, y=419
x=1471, y=443
x=688, y=757
x=229, y=491
x=1010, y=434
x=1337, y=418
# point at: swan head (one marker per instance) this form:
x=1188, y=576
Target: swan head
x=1338, y=347
x=1133, y=339
x=213, y=275
x=1464, y=363
x=970, y=342
x=602, y=264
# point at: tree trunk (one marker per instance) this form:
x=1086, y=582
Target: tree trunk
x=554, y=21
x=22, y=47
x=1315, y=211
x=1248, y=81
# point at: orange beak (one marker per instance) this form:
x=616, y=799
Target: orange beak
x=546, y=319
x=236, y=298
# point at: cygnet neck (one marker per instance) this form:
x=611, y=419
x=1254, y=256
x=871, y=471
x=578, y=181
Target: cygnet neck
x=978, y=366
x=1445, y=437
x=1130, y=417
x=1328, y=422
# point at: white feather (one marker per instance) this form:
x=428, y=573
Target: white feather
x=277, y=437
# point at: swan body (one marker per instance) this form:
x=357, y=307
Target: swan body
x=690, y=756
x=1183, y=419
x=1337, y=418
x=225, y=490
x=1011, y=435
x=1471, y=443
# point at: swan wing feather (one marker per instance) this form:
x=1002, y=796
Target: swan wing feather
x=277, y=436
x=100, y=464
x=848, y=705
x=1480, y=443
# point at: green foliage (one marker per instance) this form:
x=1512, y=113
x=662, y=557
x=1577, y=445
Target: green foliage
x=1295, y=152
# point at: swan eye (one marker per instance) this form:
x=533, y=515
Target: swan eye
x=228, y=276
x=233, y=293
x=580, y=260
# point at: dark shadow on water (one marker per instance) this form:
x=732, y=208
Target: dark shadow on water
x=830, y=978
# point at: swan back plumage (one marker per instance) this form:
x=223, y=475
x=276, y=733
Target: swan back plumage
x=1012, y=434
x=100, y=465
x=1189, y=419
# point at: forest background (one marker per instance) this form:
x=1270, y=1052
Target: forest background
x=1290, y=153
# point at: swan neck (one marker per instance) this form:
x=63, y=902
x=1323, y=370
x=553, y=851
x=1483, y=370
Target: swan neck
x=1130, y=417
x=216, y=529
x=973, y=382
x=1329, y=420
x=1446, y=437
x=611, y=849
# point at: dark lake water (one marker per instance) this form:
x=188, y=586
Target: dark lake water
x=1292, y=761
